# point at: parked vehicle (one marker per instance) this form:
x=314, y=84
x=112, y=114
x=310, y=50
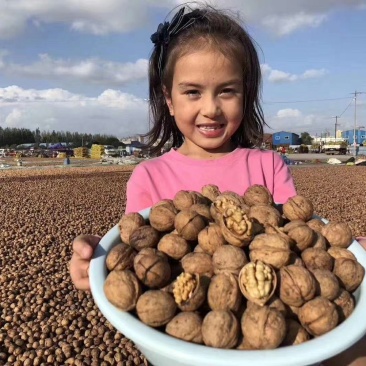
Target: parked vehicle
x=335, y=149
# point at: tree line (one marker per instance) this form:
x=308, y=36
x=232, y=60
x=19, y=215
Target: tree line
x=12, y=137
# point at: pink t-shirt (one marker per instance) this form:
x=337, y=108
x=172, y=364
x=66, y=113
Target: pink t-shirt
x=162, y=177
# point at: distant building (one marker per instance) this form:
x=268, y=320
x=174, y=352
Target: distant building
x=267, y=141
x=284, y=138
x=360, y=136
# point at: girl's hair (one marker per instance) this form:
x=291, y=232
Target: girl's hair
x=198, y=29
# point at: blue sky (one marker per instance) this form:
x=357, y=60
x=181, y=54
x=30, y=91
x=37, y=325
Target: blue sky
x=81, y=65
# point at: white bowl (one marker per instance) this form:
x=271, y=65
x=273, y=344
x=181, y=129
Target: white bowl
x=163, y=350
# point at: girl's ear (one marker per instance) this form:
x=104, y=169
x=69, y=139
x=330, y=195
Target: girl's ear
x=168, y=100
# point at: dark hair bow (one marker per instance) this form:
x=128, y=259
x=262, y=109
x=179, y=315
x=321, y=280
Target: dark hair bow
x=166, y=30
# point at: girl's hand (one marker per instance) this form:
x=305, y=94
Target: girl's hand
x=83, y=248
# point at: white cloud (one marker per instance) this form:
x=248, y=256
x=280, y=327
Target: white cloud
x=278, y=76
x=288, y=113
x=116, y=16
x=91, y=70
x=112, y=112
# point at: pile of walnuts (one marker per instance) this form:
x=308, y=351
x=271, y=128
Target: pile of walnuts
x=231, y=271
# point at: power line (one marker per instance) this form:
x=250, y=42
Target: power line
x=305, y=101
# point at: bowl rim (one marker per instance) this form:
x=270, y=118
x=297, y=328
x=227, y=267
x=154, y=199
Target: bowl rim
x=150, y=339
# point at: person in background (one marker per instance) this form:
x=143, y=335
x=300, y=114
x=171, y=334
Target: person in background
x=204, y=87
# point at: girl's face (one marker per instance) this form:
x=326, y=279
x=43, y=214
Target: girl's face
x=206, y=101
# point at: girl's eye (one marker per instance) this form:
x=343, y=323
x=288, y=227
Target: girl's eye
x=228, y=91
x=192, y=93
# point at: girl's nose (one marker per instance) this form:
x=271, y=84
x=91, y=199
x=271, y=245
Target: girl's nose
x=210, y=107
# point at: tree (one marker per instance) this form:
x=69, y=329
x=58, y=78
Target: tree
x=306, y=139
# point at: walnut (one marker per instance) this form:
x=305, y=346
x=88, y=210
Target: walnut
x=327, y=284
x=271, y=249
x=144, y=237
x=203, y=210
x=174, y=246
x=318, y=316
x=315, y=258
x=200, y=263
x=296, y=260
x=224, y=293
x=319, y=241
x=189, y=291
x=275, y=303
x=152, y=268
x=122, y=289
x=185, y=199
x=263, y=327
x=235, y=226
x=298, y=208
x=225, y=201
x=292, y=224
x=350, y=273
x=257, y=282
x=338, y=234
x=296, y=334
x=258, y=194
x=189, y=223
x=155, y=308
x=303, y=237
x=162, y=215
x=120, y=257
x=345, y=304
x=210, y=191
x=337, y=252
x=265, y=215
x=228, y=259
x=220, y=329
x=211, y=238
x=316, y=225
x=186, y=326
x=269, y=229
x=296, y=285
x=128, y=224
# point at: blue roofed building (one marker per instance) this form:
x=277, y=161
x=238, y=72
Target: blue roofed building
x=284, y=138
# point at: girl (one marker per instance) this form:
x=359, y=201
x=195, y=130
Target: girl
x=204, y=77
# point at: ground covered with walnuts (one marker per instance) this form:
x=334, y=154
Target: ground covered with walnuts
x=43, y=319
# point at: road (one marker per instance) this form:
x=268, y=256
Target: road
x=321, y=157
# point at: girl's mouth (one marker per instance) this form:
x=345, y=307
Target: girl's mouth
x=210, y=128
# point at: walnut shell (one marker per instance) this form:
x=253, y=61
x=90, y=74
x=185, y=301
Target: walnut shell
x=258, y=194
x=257, y=282
x=296, y=285
x=350, y=273
x=225, y=201
x=265, y=215
x=185, y=199
x=152, y=268
x=319, y=241
x=189, y=291
x=203, y=210
x=162, y=215
x=210, y=191
x=271, y=249
x=128, y=224
x=316, y=225
x=199, y=263
x=189, y=223
x=174, y=246
x=220, y=329
x=122, y=289
x=303, y=237
x=211, y=238
x=120, y=257
x=315, y=258
x=338, y=234
x=292, y=224
x=144, y=237
x=296, y=334
x=337, y=253
x=224, y=293
x=345, y=304
x=186, y=326
x=228, y=259
x=327, y=284
x=298, y=208
x=263, y=327
x=318, y=316
x=156, y=308
x=274, y=303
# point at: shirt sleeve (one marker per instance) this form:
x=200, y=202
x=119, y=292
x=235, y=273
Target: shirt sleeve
x=137, y=195
x=284, y=187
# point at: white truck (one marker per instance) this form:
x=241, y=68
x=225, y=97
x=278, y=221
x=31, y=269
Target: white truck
x=338, y=149
x=110, y=150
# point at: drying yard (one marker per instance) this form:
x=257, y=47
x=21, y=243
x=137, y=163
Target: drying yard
x=43, y=319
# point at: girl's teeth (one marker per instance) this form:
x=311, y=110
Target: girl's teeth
x=209, y=128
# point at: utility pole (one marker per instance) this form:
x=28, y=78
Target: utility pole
x=355, y=125
x=335, y=127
